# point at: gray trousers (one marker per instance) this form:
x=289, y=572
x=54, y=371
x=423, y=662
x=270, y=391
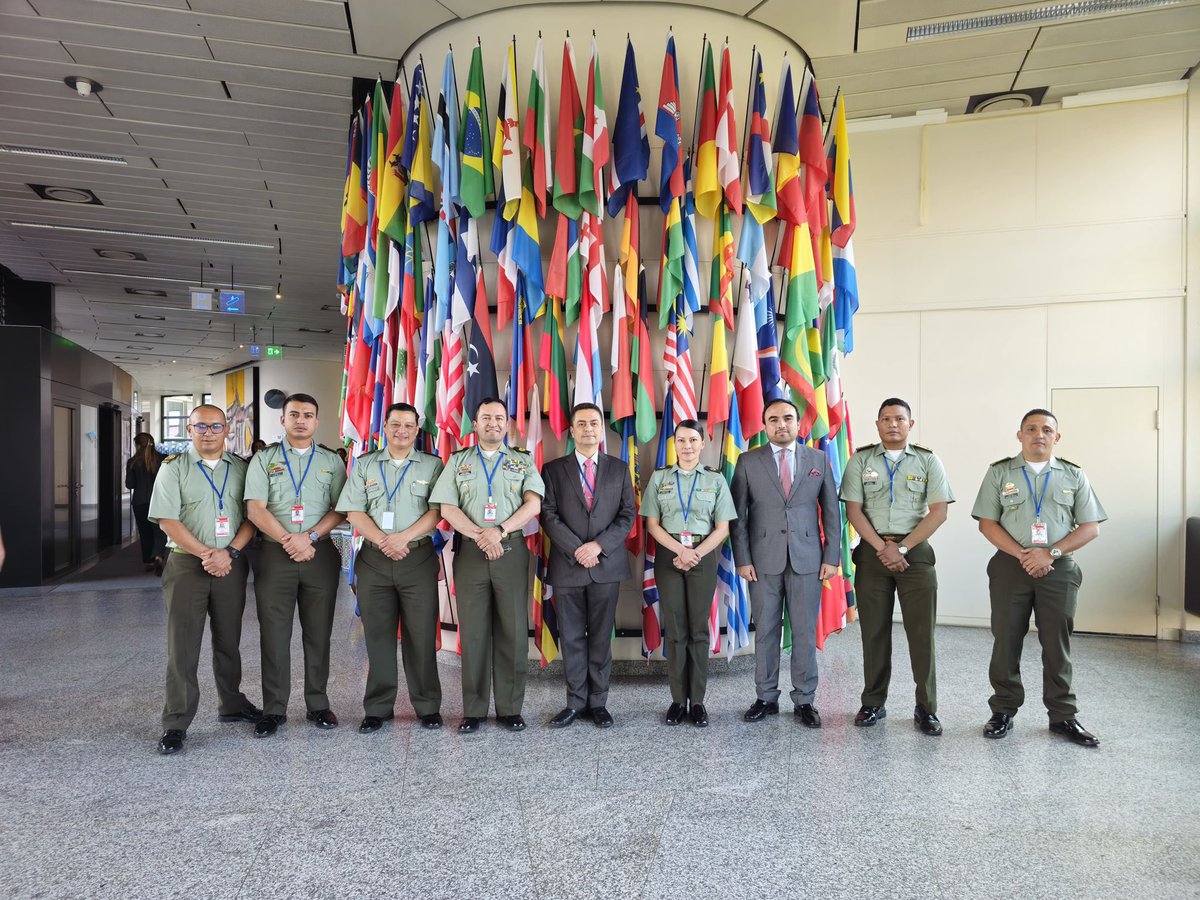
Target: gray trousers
x=585, y=623
x=802, y=593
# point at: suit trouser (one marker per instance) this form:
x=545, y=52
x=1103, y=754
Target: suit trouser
x=151, y=538
x=493, y=621
x=802, y=593
x=1052, y=600
x=192, y=594
x=400, y=594
x=586, y=615
x=686, y=599
x=281, y=586
x=875, y=589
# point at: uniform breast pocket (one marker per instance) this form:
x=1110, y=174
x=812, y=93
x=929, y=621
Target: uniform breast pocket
x=1011, y=501
x=875, y=493
x=1064, y=506
x=374, y=491
x=513, y=482
x=325, y=483
x=419, y=489
x=915, y=495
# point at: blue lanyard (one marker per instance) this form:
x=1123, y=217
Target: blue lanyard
x=590, y=485
x=1037, y=501
x=486, y=474
x=391, y=492
x=892, y=476
x=221, y=493
x=692, y=493
x=287, y=462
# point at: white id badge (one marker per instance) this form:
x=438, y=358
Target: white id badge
x=489, y=512
x=222, y=529
x=388, y=521
x=685, y=538
x=298, y=514
x=1039, y=536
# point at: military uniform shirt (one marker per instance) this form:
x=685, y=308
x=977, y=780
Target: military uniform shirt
x=1004, y=497
x=463, y=483
x=895, y=505
x=367, y=489
x=182, y=492
x=267, y=479
x=711, y=503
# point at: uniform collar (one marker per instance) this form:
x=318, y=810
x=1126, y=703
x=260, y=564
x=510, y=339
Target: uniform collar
x=287, y=446
x=195, y=457
x=1018, y=462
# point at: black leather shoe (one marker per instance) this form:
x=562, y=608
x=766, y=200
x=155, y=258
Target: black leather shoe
x=432, y=721
x=926, y=722
x=249, y=714
x=268, y=725
x=171, y=741
x=1073, y=731
x=675, y=713
x=371, y=724
x=998, y=725
x=869, y=715
x=469, y=725
x=699, y=715
x=564, y=718
x=760, y=709
x=808, y=715
x=512, y=723
x=601, y=717
x=323, y=718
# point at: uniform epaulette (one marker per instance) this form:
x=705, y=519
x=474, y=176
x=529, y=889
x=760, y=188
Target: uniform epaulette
x=921, y=447
x=171, y=457
x=866, y=447
x=1068, y=462
x=520, y=450
x=269, y=446
x=323, y=447
x=711, y=469
x=1003, y=459
x=662, y=469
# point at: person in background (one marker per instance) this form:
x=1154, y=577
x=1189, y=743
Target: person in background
x=140, y=472
x=255, y=447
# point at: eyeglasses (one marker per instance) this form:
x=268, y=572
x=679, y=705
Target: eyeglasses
x=205, y=428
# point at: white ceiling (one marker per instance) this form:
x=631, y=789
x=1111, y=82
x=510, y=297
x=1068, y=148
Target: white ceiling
x=232, y=117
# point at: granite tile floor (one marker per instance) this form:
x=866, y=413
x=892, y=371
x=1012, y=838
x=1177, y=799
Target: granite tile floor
x=89, y=809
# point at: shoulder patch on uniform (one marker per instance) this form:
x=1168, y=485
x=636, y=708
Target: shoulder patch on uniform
x=519, y=450
x=663, y=469
x=866, y=447
x=921, y=447
x=171, y=457
x=269, y=446
x=1068, y=462
x=711, y=469
x=1000, y=461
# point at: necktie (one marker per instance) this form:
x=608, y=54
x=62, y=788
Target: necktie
x=589, y=482
x=785, y=471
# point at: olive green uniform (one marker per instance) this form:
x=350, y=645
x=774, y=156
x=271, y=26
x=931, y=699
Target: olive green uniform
x=397, y=593
x=183, y=492
x=284, y=478
x=686, y=597
x=1067, y=500
x=895, y=497
x=493, y=596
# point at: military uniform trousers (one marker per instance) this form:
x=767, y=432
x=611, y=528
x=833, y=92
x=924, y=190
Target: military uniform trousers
x=493, y=619
x=802, y=594
x=400, y=593
x=686, y=599
x=281, y=586
x=875, y=589
x=192, y=594
x=1052, y=600
x=585, y=627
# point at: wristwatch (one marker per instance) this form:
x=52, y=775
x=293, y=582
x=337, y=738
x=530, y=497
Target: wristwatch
x=902, y=550
x=1055, y=553
x=503, y=535
x=314, y=536
x=234, y=552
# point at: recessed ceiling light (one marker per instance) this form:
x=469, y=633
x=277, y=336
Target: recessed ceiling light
x=51, y=153
x=331, y=307
x=293, y=346
x=150, y=318
x=308, y=330
x=1040, y=15
x=65, y=194
x=124, y=255
x=190, y=239
x=146, y=292
x=148, y=334
x=84, y=87
x=131, y=277
x=137, y=347
x=129, y=358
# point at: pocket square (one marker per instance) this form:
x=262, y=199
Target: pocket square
x=813, y=473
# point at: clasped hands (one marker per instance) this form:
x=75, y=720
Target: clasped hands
x=395, y=546
x=687, y=558
x=890, y=556
x=489, y=541
x=217, y=562
x=299, y=546
x=1036, y=561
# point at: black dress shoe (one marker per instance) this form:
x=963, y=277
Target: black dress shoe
x=268, y=725
x=323, y=718
x=249, y=714
x=998, y=725
x=1072, y=730
x=171, y=741
x=371, y=724
x=808, y=715
x=432, y=721
x=564, y=718
x=760, y=709
x=158, y=566
x=869, y=715
x=675, y=713
x=926, y=722
x=512, y=723
x=601, y=717
x=699, y=715
x=469, y=725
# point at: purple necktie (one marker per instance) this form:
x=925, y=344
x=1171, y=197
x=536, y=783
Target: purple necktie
x=589, y=482
x=785, y=472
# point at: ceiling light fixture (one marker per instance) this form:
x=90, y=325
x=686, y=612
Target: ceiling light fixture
x=148, y=334
x=1040, y=15
x=50, y=153
x=308, y=330
x=143, y=234
x=129, y=277
x=146, y=292
x=65, y=194
x=84, y=87
x=150, y=318
x=123, y=255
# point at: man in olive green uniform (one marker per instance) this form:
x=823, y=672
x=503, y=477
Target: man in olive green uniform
x=386, y=498
x=1036, y=510
x=197, y=502
x=896, y=497
x=487, y=493
x=291, y=489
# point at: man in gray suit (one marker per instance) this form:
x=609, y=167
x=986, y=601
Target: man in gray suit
x=587, y=512
x=777, y=547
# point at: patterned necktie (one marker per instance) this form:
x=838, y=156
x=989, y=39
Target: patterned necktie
x=785, y=471
x=589, y=482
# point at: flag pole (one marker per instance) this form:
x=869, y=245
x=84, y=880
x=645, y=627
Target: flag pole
x=749, y=104
x=833, y=109
x=699, y=97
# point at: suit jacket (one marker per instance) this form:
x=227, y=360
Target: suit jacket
x=772, y=530
x=570, y=524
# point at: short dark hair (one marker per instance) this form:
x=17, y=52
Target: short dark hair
x=692, y=424
x=894, y=401
x=299, y=398
x=1040, y=412
x=484, y=402
x=584, y=407
x=402, y=407
x=197, y=409
x=778, y=400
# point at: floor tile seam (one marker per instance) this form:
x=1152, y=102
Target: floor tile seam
x=657, y=847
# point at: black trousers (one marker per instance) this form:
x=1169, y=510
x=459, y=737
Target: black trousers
x=152, y=538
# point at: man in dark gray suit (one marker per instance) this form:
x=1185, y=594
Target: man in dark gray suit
x=587, y=512
x=777, y=547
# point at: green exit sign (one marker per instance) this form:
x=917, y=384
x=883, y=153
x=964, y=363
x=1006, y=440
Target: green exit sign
x=274, y=351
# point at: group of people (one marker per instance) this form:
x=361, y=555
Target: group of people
x=1035, y=508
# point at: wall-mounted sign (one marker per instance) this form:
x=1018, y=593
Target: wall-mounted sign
x=274, y=351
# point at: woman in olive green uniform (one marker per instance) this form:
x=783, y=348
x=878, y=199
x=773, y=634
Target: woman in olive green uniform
x=688, y=509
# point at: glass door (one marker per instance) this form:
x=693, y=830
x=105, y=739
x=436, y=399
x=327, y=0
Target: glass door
x=66, y=488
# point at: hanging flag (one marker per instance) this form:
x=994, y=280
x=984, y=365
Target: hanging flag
x=747, y=383
x=692, y=289
x=760, y=186
x=620, y=357
x=720, y=285
x=536, y=139
x=564, y=275
x=595, y=149
x=506, y=142
x=639, y=346
x=552, y=360
x=801, y=309
x=651, y=613
x=789, y=190
x=668, y=128
x=474, y=142
x=536, y=178
x=502, y=245
x=587, y=352
x=834, y=401
x=752, y=251
x=729, y=169
x=394, y=186
x=815, y=170
x=417, y=156
x=677, y=363
x=841, y=185
x=568, y=146
x=354, y=203
x=445, y=157
x=718, y=379
x=521, y=378
x=451, y=388
x=481, y=361
x=732, y=591
x=631, y=146
x=845, y=279
x=708, y=182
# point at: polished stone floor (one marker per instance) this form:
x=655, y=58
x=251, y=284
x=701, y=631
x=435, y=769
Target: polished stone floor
x=89, y=809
